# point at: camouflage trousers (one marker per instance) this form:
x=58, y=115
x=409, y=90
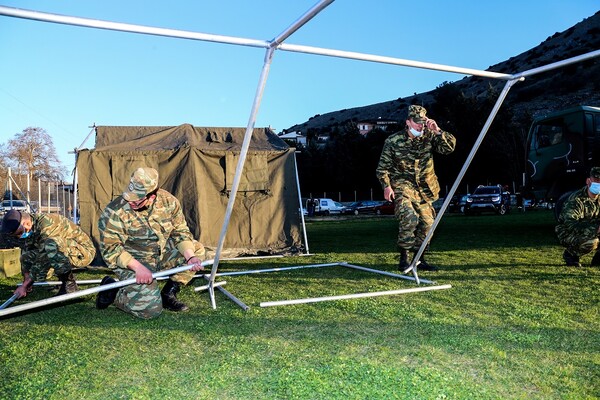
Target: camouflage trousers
x=583, y=243
x=60, y=254
x=415, y=216
x=144, y=301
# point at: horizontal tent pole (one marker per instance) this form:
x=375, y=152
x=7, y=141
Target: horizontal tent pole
x=85, y=292
x=410, y=278
x=259, y=271
x=391, y=60
x=205, y=287
x=132, y=28
x=352, y=296
x=148, y=30
x=558, y=64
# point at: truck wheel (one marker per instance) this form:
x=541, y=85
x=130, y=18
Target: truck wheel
x=355, y=212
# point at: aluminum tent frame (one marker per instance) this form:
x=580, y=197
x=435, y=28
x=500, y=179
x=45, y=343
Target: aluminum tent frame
x=277, y=43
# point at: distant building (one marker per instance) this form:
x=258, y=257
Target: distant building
x=367, y=126
x=296, y=137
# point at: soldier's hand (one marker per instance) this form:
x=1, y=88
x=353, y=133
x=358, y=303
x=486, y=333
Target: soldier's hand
x=21, y=291
x=196, y=262
x=143, y=276
x=388, y=193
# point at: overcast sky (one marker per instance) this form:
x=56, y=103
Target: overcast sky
x=65, y=79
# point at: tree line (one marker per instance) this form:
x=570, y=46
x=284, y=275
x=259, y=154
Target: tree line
x=347, y=161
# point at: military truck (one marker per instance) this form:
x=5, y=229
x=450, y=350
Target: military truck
x=561, y=149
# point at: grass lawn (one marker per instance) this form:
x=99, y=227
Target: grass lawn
x=516, y=324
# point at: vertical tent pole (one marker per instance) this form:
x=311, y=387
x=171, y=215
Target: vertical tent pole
x=250, y=127
x=238, y=170
x=300, y=201
x=462, y=172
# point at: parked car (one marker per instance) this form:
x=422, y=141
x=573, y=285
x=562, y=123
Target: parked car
x=488, y=198
x=386, y=208
x=437, y=205
x=325, y=206
x=19, y=205
x=457, y=203
x=362, y=207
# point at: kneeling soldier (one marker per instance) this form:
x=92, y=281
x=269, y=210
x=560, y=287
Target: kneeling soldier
x=50, y=241
x=141, y=232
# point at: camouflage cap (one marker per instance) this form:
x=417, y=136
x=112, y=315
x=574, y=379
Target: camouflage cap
x=595, y=173
x=11, y=221
x=417, y=114
x=143, y=181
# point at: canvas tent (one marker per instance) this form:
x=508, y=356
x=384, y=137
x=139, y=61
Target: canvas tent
x=197, y=165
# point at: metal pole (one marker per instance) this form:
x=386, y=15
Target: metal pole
x=8, y=302
x=93, y=23
x=352, y=296
x=393, y=275
x=85, y=292
x=240, y=165
x=301, y=208
x=462, y=172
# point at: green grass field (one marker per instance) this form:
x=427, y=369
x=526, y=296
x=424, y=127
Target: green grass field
x=516, y=324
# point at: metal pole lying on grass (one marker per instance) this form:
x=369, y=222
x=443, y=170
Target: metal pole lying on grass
x=101, y=288
x=352, y=296
x=8, y=302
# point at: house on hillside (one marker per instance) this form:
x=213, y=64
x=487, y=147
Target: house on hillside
x=294, y=137
x=367, y=126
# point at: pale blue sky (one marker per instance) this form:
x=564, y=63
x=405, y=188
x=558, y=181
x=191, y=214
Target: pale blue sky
x=64, y=78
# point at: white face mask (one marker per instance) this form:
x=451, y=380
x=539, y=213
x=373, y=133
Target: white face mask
x=415, y=132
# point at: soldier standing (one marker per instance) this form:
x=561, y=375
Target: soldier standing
x=141, y=232
x=579, y=222
x=408, y=178
x=50, y=241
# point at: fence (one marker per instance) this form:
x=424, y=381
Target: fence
x=42, y=195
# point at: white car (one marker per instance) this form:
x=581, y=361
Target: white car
x=19, y=205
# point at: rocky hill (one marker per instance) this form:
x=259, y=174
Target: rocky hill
x=576, y=84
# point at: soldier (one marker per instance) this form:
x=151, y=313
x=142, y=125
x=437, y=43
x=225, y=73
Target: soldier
x=579, y=222
x=50, y=241
x=407, y=176
x=141, y=232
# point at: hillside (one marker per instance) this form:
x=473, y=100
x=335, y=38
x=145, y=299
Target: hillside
x=577, y=84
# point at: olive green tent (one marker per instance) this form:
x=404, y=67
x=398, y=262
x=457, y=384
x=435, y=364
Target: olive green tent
x=197, y=165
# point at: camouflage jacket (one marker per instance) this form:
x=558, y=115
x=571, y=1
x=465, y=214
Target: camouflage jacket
x=409, y=162
x=143, y=235
x=580, y=216
x=51, y=233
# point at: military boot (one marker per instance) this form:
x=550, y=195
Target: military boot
x=572, y=260
x=169, y=297
x=106, y=297
x=423, y=265
x=596, y=259
x=403, y=265
x=68, y=284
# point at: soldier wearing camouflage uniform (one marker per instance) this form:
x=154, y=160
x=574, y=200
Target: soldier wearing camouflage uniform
x=141, y=232
x=578, y=226
x=408, y=178
x=50, y=241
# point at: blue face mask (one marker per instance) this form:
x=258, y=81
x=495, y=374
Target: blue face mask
x=595, y=188
x=25, y=235
x=415, y=132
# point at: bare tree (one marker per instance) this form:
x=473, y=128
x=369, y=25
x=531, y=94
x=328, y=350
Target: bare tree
x=32, y=152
